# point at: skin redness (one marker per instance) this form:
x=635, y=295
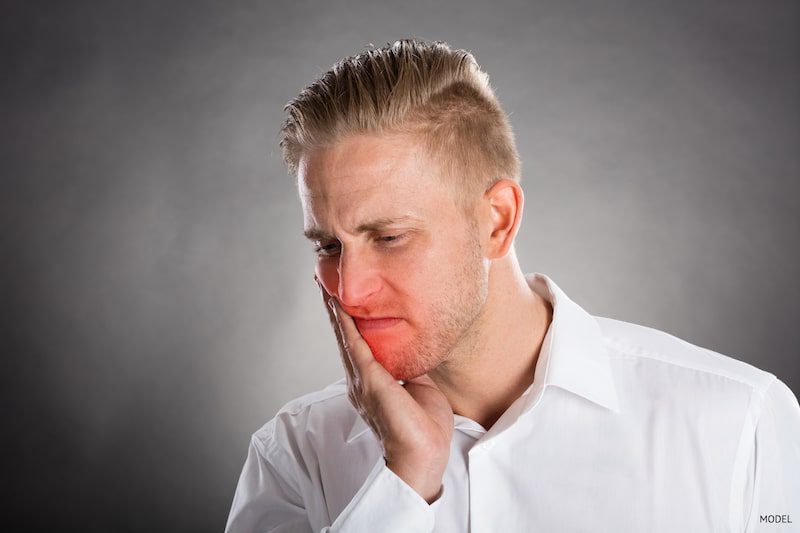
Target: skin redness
x=394, y=249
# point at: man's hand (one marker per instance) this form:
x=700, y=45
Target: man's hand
x=413, y=422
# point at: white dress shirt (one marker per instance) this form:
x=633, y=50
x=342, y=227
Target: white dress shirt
x=624, y=429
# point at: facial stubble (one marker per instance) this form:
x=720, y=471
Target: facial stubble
x=451, y=323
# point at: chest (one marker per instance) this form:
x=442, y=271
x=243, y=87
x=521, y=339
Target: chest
x=548, y=478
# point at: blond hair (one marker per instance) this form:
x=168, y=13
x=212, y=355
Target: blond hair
x=425, y=89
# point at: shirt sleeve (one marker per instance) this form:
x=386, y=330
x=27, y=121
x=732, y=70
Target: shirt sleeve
x=772, y=494
x=269, y=498
x=386, y=503
x=266, y=498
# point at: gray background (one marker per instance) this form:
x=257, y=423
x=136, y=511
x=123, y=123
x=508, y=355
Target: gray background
x=158, y=303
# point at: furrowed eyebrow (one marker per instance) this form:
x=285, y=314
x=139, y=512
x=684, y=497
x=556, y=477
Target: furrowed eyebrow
x=315, y=234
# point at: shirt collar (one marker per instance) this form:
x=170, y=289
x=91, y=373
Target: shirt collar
x=573, y=355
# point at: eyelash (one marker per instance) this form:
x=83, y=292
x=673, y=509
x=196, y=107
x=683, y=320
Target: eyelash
x=386, y=240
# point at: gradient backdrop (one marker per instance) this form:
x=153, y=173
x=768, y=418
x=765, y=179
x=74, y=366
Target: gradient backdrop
x=158, y=304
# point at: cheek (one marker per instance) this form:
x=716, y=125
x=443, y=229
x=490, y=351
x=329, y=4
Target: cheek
x=423, y=272
x=393, y=269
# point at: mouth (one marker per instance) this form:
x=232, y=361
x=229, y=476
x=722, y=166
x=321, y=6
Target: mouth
x=368, y=324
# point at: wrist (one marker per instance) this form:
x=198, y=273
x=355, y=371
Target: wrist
x=426, y=481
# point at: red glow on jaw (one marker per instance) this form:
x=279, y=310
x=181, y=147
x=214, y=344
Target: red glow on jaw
x=385, y=344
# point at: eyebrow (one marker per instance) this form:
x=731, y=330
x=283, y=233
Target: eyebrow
x=316, y=234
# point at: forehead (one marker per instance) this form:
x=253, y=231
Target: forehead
x=361, y=162
x=369, y=176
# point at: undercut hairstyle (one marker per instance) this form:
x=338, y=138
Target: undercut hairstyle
x=425, y=89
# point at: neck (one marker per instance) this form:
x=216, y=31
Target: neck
x=495, y=365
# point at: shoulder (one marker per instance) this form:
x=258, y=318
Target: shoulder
x=658, y=350
x=318, y=412
x=647, y=357
x=662, y=379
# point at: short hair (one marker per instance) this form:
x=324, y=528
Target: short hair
x=415, y=87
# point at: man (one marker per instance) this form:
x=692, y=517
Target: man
x=478, y=398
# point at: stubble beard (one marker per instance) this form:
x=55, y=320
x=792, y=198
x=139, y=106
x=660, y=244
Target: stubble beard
x=451, y=324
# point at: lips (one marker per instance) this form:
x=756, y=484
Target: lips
x=371, y=324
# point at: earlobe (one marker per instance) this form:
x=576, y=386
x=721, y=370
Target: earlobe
x=505, y=200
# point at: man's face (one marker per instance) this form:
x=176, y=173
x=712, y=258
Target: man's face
x=393, y=248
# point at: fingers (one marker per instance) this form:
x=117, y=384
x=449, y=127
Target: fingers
x=356, y=354
x=354, y=343
x=346, y=362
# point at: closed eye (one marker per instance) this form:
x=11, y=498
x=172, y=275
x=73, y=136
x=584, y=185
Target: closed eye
x=326, y=249
x=332, y=248
x=387, y=239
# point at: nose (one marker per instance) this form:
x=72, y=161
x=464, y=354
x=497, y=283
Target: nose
x=358, y=278
x=355, y=279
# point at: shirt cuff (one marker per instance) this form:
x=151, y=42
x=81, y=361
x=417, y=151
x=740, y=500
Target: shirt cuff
x=387, y=503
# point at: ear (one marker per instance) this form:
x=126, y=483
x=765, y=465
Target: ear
x=503, y=202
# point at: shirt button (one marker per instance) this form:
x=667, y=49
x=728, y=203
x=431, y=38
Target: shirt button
x=487, y=445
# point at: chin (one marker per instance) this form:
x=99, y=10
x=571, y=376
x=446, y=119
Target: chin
x=404, y=367
x=401, y=364
x=400, y=368
x=404, y=374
